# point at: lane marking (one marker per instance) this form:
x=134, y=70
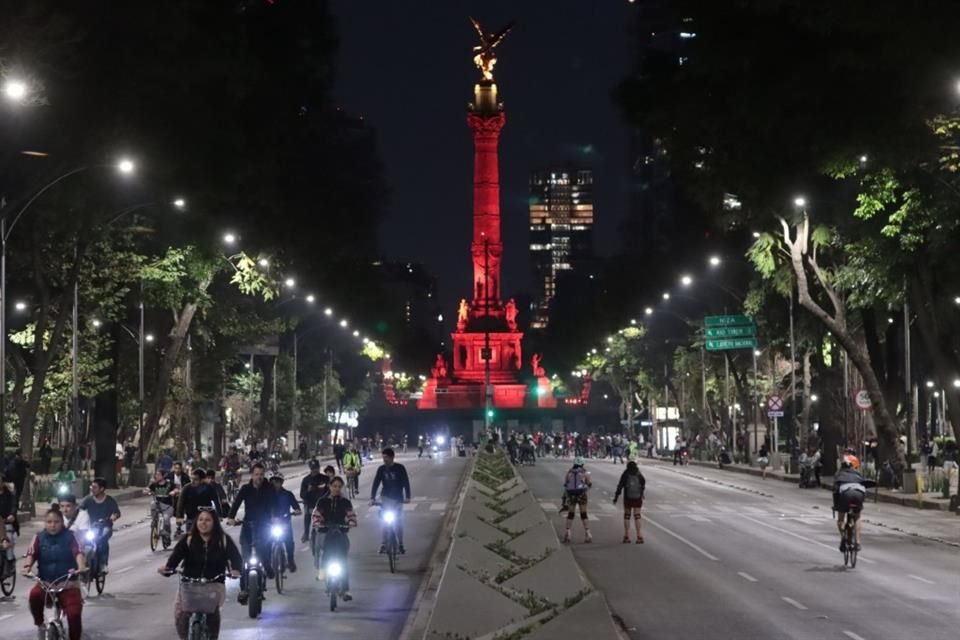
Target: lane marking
x=124, y=570
x=409, y=506
x=793, y=602
x=666, y=507
x=699, y=518
x=693, y=546
x=6, y=617
x=852, y=635
x=548, y=506
x=799, y=537
x=918, y=578
x=438, y=506
x=747, y=576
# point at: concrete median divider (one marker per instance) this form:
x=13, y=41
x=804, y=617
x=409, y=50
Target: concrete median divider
x=505, y=575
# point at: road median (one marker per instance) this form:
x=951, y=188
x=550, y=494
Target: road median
x=506, y=576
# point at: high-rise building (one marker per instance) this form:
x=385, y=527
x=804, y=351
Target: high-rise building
x=561, y=231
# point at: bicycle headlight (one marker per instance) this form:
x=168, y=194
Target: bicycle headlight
x=276, y=531
x=440, y=440
x=334, y=569
x=62, y=489
x=389, y=517
x=90, y=536
x=253, y=561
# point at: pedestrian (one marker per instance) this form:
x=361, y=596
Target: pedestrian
x=575, y=485
x=46, y=456
x=18, y=471
x=764, y=458
x=632, y=484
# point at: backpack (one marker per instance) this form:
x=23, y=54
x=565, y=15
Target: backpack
x=576, y=482
x=633, y=488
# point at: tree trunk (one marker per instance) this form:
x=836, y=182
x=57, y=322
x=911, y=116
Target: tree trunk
x=157, y=402
x=807, y=398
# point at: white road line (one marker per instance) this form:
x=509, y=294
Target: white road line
x=666, y=507
x=747, y=576
x=606, y=506
x=124, y=570
x=548, y=506
x=409, y=506
x=699, y=518
x=698, y=508
x=6, y=617
x=793, y=603
x=721, y=509
x=852, y=635
x=799, y=537
x=693, y=546
x=438, y=506
x=918, y=578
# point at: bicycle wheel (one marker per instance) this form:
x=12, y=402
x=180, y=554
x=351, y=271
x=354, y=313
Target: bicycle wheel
x=55, y=632
x=198, y=627
x=101, y=582
x=279, y=566
x=7, y=582
x=316, y=549
x=154, y=536
x=392, y=552
x=255, y=601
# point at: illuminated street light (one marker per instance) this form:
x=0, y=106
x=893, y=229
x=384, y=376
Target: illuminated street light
x=344, y=323
x=148, y=337
x=263, y=262
x=715, y=261
x=96, y=323
x=356, y=334
x=814, y=397
x=936, y=394
x=800, y=202
x=366, y=341
x=290, y=283
x=956, y=384
x=686, y=281
x=593, y=351
x=648, y=311
x=15, y=90
x=863, y=159
x=956, y=300
x=757, y=353
x=633, y=321
x=246, y=365
x=328, y=311
x=756, y=234
x=180, y=203
x=126, y=166
x=20, y=305
x=229, y=238
x=929, y=384
x=666, y=296
x=311, y=298
x=609, y=338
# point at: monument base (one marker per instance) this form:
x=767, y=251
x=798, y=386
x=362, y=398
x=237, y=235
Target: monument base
x=439, y=394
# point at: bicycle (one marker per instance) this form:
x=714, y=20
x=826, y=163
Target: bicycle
x=8, y=569
x=353, y=484
x=256, y=577
x=159, y=528
x=335, y=566
x=278, y=555
x=200, y=601
x=54, y=629
x=850, y=537
x=392, y=546
x=94, y=570
x=230, y=486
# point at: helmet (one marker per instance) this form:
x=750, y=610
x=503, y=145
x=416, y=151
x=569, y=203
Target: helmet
x=276, y=476
x=578, y=461
x=845, y=463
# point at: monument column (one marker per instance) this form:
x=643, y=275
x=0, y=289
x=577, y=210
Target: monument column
x=486, y=119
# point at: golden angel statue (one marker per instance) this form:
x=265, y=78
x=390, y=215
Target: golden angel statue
x=483, y=55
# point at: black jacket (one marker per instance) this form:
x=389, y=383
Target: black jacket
x=206, y=560
x=396, y=483
x=8, y=507
x=192, y=497
x=312, y=488
x=286, y=503
x=260, y=505
x=623, y=483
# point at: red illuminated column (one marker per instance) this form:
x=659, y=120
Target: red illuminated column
x=487, y=247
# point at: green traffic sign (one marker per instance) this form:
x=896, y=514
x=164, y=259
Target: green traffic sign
x=731, y=332
x=731, y=343
x=727, y=321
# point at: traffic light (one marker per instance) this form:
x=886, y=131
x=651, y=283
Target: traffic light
x=490, y=413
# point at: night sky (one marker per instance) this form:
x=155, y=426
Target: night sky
x=406, y=67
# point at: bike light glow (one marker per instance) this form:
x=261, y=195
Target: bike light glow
x=276, y=531
x=389, y=517
x=253, y=561
x=62, y=490
x=334, y=569
x=441, y=440
x=91, y=536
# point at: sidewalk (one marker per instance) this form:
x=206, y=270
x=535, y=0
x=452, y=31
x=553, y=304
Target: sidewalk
x=929, y=500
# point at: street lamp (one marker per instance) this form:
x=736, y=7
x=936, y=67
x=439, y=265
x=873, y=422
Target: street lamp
x=229, y=238
x=715, y=261
x=686, y=281
x=290, y=283
x=311, y=298
x=344, y=323
x=328, y=311
x=20, y=305
x=666, y=296
x=126, y=166
x=648, y=311
x=149, y=337
x=15, y=90
x=800, y=202
x=180, y=203
x=263, y=262
x=930, y=384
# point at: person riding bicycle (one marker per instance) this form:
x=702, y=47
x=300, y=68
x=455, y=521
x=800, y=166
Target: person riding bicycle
x=160, y=489
x=232, y=465
x=102, y=509
x=207, y=553
x=849, y=491
x=56, y=553
x=8, y=516
x=195, y=495
x=352, y=465
x=312, y=488
x=287, y=504
x=851, y=456
x=336, y=511
x=396, y=491
x=223, y=505
x=259, y=501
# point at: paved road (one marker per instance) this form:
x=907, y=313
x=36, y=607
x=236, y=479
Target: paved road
x=138, y=603
x=742, y=558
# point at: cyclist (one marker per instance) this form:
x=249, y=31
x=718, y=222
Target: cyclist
x=312, y=488
x=8, y=515
x=338, y=452
x=207, y=552
x=73, y=518
x=232, y=465
x=336, y=511
x=223, y=505
x=101, y=508
x=575, y=486
x=286, y=504
x=352, y=465
x=195, y=495
x=259, y=502
x=851, y=456
x=396, y=491
x=56, y=553
x=849, y=492
x=160, y=489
